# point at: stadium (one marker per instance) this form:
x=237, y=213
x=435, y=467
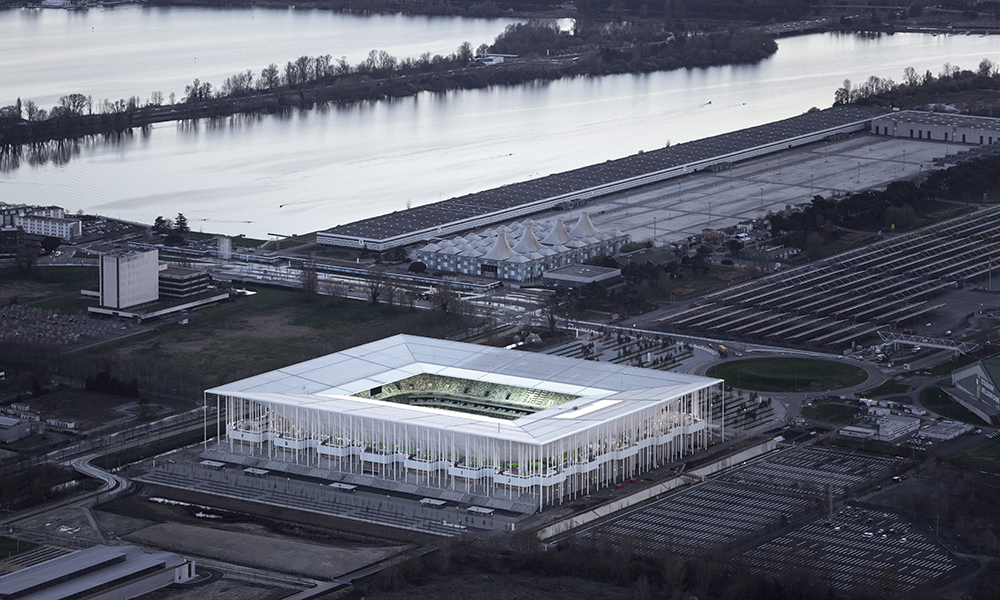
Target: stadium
x=442, y=415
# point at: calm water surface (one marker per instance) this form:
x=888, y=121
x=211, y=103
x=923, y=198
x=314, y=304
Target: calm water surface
x=315, y=169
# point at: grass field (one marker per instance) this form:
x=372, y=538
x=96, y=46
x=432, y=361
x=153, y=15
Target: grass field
x=155, y=447
x=985, y=456
x=831, y=412
x=788, y=374
x=947, y=367
x=45, y=282
x=889, y=388
x=254, y=334
x=935, y=400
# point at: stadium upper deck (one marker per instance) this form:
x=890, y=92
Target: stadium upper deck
x=508, y=202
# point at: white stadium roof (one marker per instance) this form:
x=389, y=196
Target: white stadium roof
x=328, y=383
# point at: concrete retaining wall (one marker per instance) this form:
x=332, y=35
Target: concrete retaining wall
x=736, y=459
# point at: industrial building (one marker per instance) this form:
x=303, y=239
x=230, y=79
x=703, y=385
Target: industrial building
x=453, y=416
x=180, y=282
x=979, y=388
x=129, y=278
x=11, y=240
x=98, y=573
x=577, y=276
x=537, y=248
x=12, y=429
x=944, y=127
x=575, y=188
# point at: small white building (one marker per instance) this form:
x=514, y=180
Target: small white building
x=893, y=426
x=129, y=278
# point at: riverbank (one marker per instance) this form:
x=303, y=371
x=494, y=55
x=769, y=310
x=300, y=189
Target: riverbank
x=311, y=81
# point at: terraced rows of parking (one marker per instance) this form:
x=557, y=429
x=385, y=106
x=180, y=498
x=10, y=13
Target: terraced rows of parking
x=812, y=471
x=857, y=549
x=707, y=516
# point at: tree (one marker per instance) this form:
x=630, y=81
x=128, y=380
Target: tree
x=33, y=112
x=309, y=281
x=181, y=224
x=25, y=258
x=334, y=291
x=75, y=105
x=304, y=68
x=987, y=68
x=270, y=77
x=197, y=91
x=445, y=299
x=375, y=283
x=49, y=244
x=161, y=225
x=464, y=53
x=843, y=95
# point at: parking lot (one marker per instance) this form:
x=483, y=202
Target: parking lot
x=858, y=548
x=692, y=522
x=813, y=470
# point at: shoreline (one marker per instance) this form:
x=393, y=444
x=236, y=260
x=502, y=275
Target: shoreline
x=374, y=85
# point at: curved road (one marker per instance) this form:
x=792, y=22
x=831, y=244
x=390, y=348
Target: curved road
x=112, y=483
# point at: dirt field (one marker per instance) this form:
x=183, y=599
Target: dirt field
x=90, y=409
x=497, y=587
x=261, y=550
x=225, y=589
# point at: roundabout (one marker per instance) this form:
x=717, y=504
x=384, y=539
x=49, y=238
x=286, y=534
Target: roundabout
x=788, y=375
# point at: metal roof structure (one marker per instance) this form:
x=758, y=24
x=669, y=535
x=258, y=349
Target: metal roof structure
x=604, y=391
x=518, y=199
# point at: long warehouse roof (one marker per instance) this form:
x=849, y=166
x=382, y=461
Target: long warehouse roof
x=398, y=223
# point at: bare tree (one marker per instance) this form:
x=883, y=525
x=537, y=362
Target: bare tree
x=390, y=291
x=304, y=67
x=321, y=66
x=309, y=280
x=445, y=300
x=25, y=258
x=334, y=291
x=376, y=283
x=270, y=77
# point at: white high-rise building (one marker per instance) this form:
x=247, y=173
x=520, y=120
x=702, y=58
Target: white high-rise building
x=129, y=278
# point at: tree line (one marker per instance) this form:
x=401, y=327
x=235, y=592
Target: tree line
x=920, y=87
x=900, y=204
x=307, y=80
